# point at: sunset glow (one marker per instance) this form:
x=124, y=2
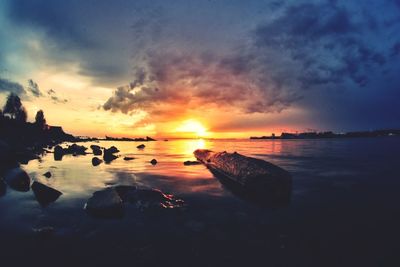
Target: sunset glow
x=137, y=72
x=192, y=128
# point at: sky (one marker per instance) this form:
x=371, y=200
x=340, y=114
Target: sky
x=203, y=68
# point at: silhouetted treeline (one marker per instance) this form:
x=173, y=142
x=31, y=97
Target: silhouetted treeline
x=21, y=140
x=315, y=135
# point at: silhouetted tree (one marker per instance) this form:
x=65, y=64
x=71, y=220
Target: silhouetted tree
x=14, y=108
x=22, y=115
x=40, y=121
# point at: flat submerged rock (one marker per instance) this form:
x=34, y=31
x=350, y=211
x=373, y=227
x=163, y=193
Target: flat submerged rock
x=105, y=203
x=109, y=202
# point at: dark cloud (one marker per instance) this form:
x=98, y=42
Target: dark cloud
x=319, y=45
x=324, y=41
x=10, y=86
x=53, y=96
x=34, y=88
x=182, y=83
x=55, y=17
x=328, y=57
x=90, y=33
x=396, y=49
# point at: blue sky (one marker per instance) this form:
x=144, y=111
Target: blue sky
x=270, y=65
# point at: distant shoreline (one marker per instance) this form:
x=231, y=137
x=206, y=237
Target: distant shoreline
x=329, y=135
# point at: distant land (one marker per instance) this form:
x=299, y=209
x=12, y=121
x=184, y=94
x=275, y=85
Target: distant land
x=320, y=135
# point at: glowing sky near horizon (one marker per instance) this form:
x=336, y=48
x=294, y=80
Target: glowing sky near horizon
x=203, y=68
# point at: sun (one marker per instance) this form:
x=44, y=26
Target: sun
x=192, y=127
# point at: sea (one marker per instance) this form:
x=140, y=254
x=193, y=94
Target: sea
x=343, y=210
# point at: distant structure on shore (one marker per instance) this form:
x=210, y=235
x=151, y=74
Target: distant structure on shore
x=320, y=135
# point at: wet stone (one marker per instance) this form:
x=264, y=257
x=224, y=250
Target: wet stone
x=96, y=150
x=111, y=150
x=45, y=194
x=96, y=161
x=18, y=179
x=105, y=203
x=109, y=154
x=153, y=198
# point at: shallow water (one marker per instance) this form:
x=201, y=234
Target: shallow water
x=343, y=210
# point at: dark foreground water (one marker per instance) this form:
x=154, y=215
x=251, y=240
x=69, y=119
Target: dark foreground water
x=344, y=209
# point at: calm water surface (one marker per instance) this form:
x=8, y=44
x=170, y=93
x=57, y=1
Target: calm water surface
x=344, y=209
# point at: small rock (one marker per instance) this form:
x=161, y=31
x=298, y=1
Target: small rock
x=109, y=154
x=75, y=150
x=150, y=139
x=105, y=204
x=141, y=146
x=112, y=150
x=109, y=157
x=189, y=162
x=18, y=179
x=96, y=150
x=47, y=174
x=129, y=158
x=58, y=152
x=96, y=161
x=45, y=194
x=153, y=161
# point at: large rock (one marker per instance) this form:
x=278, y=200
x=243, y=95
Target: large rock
x=18, y=179
x=256, y=176
x=45, y=194
x=96, y=150
x=126, y=192
x=105, y=204
x=142, y=146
